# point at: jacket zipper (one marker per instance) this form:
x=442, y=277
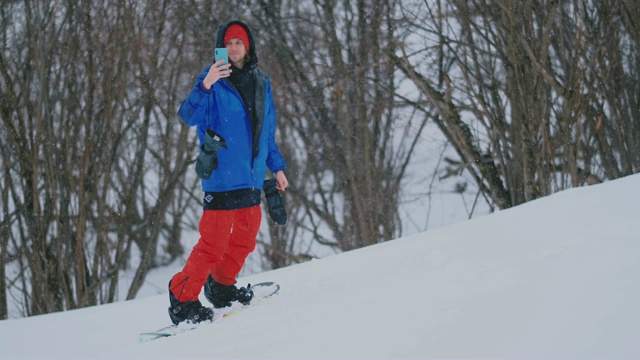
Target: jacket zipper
x=237, y=93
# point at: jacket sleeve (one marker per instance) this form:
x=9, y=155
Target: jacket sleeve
x=196, y=99
x=275, y=160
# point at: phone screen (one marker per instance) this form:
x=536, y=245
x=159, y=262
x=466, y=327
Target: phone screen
x=222, y=53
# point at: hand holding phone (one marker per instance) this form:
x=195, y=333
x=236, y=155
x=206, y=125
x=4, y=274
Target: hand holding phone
x=219, y=69
x=222, y=54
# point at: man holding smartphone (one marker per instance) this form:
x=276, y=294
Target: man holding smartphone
x=232, y=107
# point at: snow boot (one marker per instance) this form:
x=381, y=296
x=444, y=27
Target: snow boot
x=221, y=296
x=190, y=311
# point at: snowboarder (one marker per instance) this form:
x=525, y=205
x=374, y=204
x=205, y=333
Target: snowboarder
x=232, y=107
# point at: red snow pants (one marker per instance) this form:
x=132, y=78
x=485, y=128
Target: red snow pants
x=227, y=237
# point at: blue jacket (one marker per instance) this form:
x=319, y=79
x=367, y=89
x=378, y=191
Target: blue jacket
x=243, y=164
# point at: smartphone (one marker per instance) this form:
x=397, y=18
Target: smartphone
x=222, y=53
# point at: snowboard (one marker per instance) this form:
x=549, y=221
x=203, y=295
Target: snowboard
x=261, y=291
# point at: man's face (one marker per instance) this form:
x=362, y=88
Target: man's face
x=237, y=50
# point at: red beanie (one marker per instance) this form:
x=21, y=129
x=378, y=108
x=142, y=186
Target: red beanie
x=236, y=31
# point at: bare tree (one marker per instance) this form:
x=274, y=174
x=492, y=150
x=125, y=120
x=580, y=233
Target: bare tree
x=348, y=146
x=524, y=90
x=534, y=96
x=94, y=159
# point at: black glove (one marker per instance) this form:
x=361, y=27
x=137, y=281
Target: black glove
x=274, y=202
x=208, y=159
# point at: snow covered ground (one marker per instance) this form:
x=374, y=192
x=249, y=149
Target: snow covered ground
x=557, y=277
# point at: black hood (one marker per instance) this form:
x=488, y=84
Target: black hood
x=222, y=29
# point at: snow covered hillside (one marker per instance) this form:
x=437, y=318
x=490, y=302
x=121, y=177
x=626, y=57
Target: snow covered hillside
x=557, y=277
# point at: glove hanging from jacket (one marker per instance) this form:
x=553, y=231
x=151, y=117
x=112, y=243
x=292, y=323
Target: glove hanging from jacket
x=274, y=202
x=208, y=159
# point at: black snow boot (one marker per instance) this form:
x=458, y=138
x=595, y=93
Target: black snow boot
x=223, y=295
x=190, y=311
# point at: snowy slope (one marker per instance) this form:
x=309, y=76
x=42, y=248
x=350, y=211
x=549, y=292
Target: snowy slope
x=557, y=277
